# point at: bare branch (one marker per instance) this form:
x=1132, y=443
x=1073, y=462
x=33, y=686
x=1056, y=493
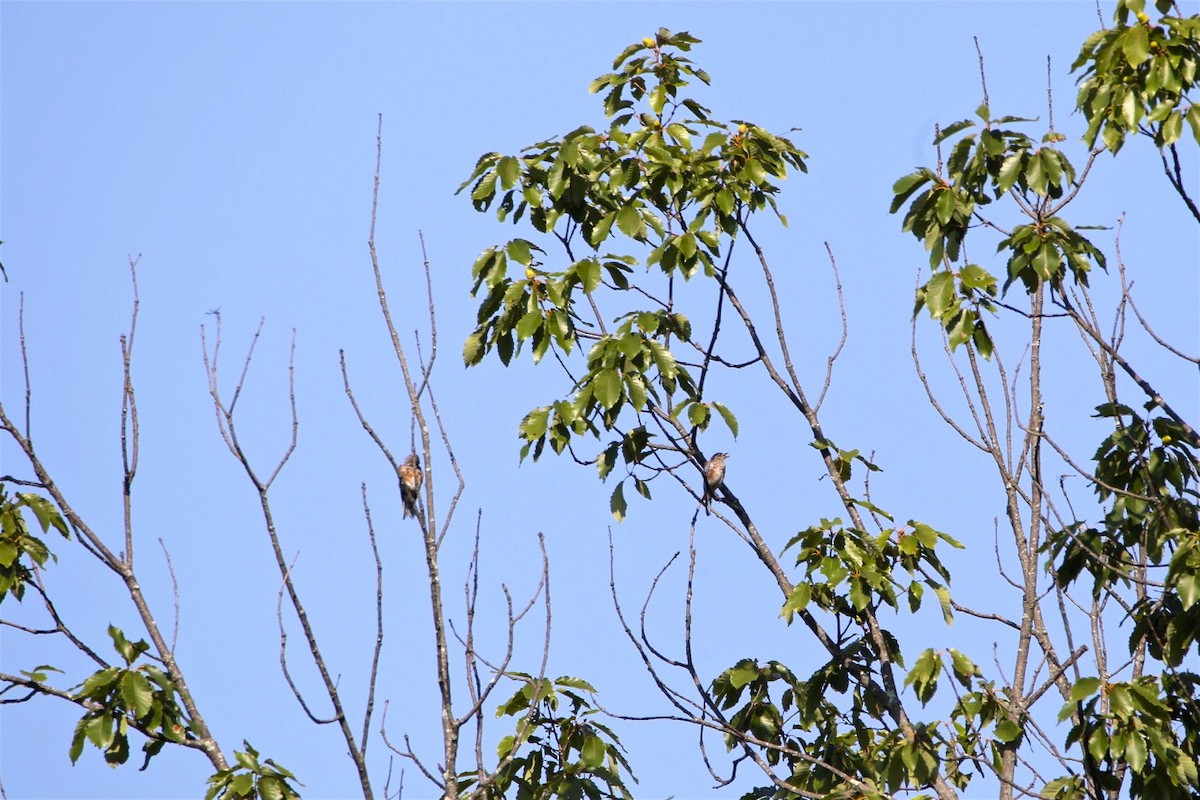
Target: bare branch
x=378, y=648
x=982, y=72
x=837, y=351
x=283, y=652
x=25, y=365
x=174, y=592
x=1174, y=173
x=129, y=418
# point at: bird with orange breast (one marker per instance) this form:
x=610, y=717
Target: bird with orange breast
x=411, y=478
x=714, y=476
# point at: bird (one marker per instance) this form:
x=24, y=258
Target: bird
x=411, y=478
x=714, y=476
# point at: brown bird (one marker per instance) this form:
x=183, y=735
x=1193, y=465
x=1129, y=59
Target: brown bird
x=714, y=476
x=411, y=478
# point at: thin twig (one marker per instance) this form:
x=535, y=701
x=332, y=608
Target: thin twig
x=982, y=72
x=837, y=351
x=174, y=592
x=378, y=648
x=129, y=418
x=25, y=364
x=283, y=637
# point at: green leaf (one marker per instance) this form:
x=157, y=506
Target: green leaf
x=509, y=169
x=78, y=740
x=964, y=668
x=135, y=691
x=687, y=245
x=725, y=200
x=1135, y=751
x=727, y=415
x=755, y=171
x=1046, y=261
x=630, y=345
x=658, y=98
x=1035, y=173
x=505, y=746
x=504, y=347
x=974, y=276
x=926, y=535
x=518, y=250
x=473, y=349
x=1135, y=44
x=38, y=673
x=99, y=730
x=574, y=683
x=269, y=788
x=680, y=134
x=528, y=324
x=798, y=599
x=1122, y=700
x=1188, y=588
x=939, y=295
x=247, y=760
x=535, y=423
x=663, y=360
x=1051, y=165
x=588, y=272
x=591, y=755
x=740, y=676
x=8, y=554
x=616, y=503
x=242, y=785
x=607, y=460
x=1172, y=129
x=126, y=649
x=859, y=595
x=99, y=683
x=635, y=388
x=47, y=515
x=982, y=340
x=953, y=128
x=1083, y=688
x=943, y=596
x=915, y=592
x=1009, y=172
x=606, y=385
x=904, y=187
x=713, y=141
x=629, y=220
x=1007, y=730
x=485, y=189
x=945, y=205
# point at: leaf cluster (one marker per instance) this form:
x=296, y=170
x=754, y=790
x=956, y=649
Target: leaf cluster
x=847, y=571
x=1136, y=76
x=143, y=698
x=826, y=751
x=1137, y=725
x=252, y=779
x=560, y=748
x=662, y=185
x=16, y=540
x=1147, y=477
x=986, y=163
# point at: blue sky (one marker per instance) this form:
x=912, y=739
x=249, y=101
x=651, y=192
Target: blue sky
x=232, y=146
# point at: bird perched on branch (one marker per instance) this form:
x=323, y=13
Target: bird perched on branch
x=714, y=476
x=411, y=478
